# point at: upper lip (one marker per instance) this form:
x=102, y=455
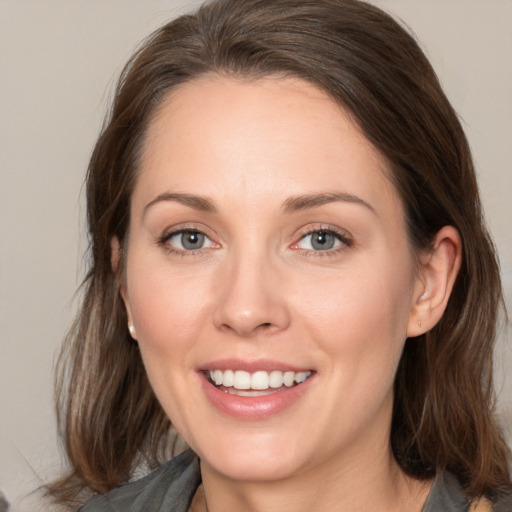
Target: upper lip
x=252, y=366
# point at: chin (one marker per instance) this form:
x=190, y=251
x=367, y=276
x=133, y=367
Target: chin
x=254, y=458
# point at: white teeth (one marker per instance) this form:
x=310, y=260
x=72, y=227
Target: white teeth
x=258, y=381
x=288, y=379
x=276, y=379
x=242, y=380
x=217, y=377
x=301, y=376
x=228, y=378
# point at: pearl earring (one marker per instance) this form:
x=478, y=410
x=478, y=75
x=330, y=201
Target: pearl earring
x=132, y=331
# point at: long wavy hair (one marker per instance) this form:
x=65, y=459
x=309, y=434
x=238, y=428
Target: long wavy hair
x=443, y=419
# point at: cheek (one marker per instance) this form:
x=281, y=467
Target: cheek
x=168, y=313
x=166, y=308
x=362, y=312
x=362, y=298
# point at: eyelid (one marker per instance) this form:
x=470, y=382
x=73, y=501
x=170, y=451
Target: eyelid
x=199, y=227
x=172, y=231
x=342, y=235
x=189, y=231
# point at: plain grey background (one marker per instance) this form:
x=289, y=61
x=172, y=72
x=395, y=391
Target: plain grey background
x=58, y=62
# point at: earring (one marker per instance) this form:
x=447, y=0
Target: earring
x=132, y=331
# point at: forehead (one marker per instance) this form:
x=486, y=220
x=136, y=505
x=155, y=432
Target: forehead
x=221, y=136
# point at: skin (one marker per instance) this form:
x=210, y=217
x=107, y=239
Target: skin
x=258, y=289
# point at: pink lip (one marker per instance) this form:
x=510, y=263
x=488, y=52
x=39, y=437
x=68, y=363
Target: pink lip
x=254, y=407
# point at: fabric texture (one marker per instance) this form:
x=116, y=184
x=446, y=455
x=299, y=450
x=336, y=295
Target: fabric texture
x=171, y=488
x=446, y=496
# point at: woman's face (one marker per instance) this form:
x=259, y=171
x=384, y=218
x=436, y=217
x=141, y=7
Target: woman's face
x=268, y=252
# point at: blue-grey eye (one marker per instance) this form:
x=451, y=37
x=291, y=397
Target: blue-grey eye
x=188, y=240
x=191, y=240
x=320, y=241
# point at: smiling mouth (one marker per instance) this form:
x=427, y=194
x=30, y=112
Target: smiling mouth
x=242, y=383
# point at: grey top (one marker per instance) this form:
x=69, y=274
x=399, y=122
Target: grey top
x=171, y=488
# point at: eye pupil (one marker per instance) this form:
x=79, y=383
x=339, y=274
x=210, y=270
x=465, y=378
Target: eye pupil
x=322, y=240
x=192, y=240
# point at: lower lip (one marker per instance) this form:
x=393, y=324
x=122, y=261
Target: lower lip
x=253, y=407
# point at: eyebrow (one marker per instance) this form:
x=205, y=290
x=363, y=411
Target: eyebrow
x=309, y=201
x=201, y=203
x=292, y=204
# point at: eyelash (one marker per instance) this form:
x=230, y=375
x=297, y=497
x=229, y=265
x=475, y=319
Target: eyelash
x=341, y=236
x=163, y=241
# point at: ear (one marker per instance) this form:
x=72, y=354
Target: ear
x=438, y=270
x=115, y=257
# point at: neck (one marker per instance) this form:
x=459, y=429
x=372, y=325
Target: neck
x=357, y=487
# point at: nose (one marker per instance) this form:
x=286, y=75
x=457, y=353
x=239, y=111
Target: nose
x=251, y=297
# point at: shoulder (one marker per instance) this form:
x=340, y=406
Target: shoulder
x=170, y=487
x=447, y=495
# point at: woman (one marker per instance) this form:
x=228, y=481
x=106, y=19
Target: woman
x=290, y=266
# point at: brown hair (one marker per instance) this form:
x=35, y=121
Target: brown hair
x=443, y=415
